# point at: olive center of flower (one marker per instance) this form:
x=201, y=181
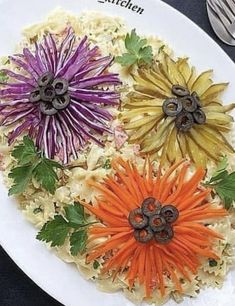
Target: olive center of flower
x=185, y=107
x=153, y=221
x=51, y=94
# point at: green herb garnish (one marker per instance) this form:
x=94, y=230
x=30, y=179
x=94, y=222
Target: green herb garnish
x=75, y=214
x=107, y=165
x=96, y=264
x=78, y=242
x=137, y=51
x=54, y=231
x=223, y=183
x=37, y=210
x=3, y=77
x=223, y=164
x=213, y=263
x=161, y=49
x=73, y=226
x=31, y=164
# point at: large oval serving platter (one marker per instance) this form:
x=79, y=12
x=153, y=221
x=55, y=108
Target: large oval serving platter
x=17, y=236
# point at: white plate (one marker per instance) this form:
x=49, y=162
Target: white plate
x=60, y=280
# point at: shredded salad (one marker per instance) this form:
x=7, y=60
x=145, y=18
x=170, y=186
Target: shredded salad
x=121, y=155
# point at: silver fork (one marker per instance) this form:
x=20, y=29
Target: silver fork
x=225, y=11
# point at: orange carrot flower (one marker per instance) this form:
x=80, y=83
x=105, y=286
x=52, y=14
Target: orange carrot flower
x=154, y=224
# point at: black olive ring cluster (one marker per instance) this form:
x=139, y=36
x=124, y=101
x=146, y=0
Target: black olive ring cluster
x=153, y=221
x=51, y=93
x=185, y=107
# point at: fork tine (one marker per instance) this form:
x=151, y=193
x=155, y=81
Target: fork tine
x=231, y=5
x=212, y=5
x=220, y=15
x=224, y=5
x=219, y=28
x=219, y=12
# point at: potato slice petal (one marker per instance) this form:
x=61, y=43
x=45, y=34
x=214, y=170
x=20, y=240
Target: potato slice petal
x=216, y=137
x=208, y=147
x=182, y=143
x=221, y=128
x=229, y=146
x=213, y=102
x=161, y=78
x=192, y=78
x=202, y=83
x=229, y=107
x=184, y=68
x=163, y=71
x=145, y=83
x=143, y=130
x=214, y=109
x=218, y=118
x=156, y=81
x=214, y=91
x=174, y=74
x=136, y=96
x=219, y=108
x=164, y=156
x=163, y=128
x=156, y=92
x=154, y=145
x=145, y=103
x=131, y=114
x=173, y=150
x=196, y=154
x=140, y=122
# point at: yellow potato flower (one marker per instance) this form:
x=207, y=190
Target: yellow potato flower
x=174, y=113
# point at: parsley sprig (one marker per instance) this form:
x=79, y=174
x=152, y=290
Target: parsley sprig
x=3, y=77
x=137, y=51
x=73, y=226
x=32, y=164
x=223, y=183
x=107, y=165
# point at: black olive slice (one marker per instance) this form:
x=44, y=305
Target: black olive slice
x=196, y=98
x=47, y=93
x=165, y=236
x=180, y=91
x=189, y=104
x=45, y=79
x=184, y=121
x=61, y=102
x=143, y=235
x=199, y=116
x=172, y=107
x=157, y=223
x=137, y=219
x=170, y=213
x=61, y=86
x=47, y=109
x=150, y=207
x=35, y=95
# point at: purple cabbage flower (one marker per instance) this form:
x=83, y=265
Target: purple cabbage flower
x=60, y=95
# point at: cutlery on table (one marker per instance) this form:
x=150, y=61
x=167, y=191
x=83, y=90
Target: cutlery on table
x=221, y=14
